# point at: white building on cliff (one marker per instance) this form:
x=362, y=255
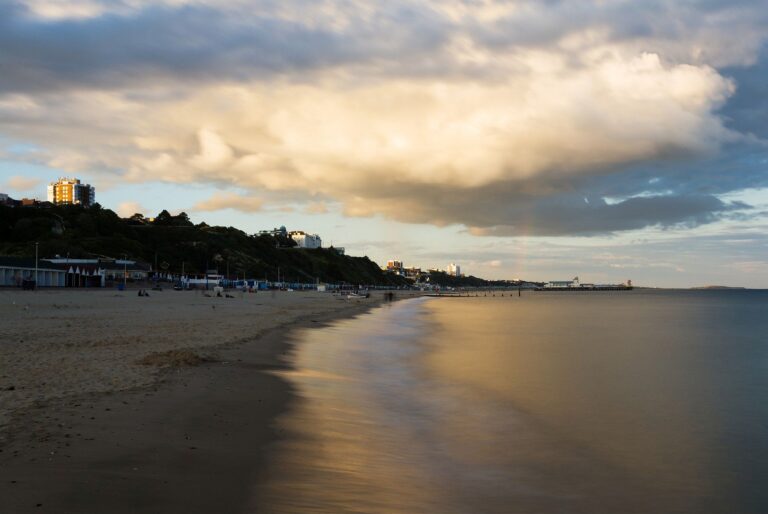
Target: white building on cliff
x=304, y=240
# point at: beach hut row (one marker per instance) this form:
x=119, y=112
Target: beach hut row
x=28, y=273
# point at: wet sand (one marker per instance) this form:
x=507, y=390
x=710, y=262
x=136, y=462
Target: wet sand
x=86, y=429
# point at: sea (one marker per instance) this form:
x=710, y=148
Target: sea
x=644, y=401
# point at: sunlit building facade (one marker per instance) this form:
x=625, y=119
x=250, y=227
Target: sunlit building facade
x=70, y=191
x=304, y=240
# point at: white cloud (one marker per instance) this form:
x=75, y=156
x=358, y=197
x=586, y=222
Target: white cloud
x=458, y=133
x=369, y=146
x=65, y=9
x=317, y=208
x=221, y=201
x=129, y=208
x=23, y=184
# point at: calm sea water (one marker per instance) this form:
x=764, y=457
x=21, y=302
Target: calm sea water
x=625, y=402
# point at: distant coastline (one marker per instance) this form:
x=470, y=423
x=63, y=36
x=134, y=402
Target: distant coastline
x=718, y=287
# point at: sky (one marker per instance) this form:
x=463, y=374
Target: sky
x=534, y=139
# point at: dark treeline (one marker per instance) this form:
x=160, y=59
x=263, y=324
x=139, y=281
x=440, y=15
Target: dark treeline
x=174, y=241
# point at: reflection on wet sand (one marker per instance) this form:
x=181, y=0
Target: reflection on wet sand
x=343, y=454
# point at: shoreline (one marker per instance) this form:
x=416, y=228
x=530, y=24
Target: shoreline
x=152, y=448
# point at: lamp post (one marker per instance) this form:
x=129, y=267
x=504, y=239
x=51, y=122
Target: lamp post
x=36, y=253
x=125, y=271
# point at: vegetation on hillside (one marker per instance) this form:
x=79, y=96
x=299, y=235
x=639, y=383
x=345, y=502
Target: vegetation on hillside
x=173, y=243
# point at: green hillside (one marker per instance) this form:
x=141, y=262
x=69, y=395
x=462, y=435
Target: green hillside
x=173, y=242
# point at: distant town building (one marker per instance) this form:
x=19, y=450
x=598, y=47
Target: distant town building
x=454, y=270
x=70, y=191
x=395, y=266
x=118, y=268
x=8, y=201
x=24, y=202
x=275, y=232
x=413, y=273
x=304, y=240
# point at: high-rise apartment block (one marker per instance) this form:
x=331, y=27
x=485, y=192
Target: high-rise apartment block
x=69, y=191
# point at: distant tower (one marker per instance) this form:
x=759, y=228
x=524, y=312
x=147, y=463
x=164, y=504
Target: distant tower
x=69, y=191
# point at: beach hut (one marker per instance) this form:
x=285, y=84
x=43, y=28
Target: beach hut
x=15, y=271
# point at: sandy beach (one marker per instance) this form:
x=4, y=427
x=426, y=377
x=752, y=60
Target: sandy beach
x=111, y=402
